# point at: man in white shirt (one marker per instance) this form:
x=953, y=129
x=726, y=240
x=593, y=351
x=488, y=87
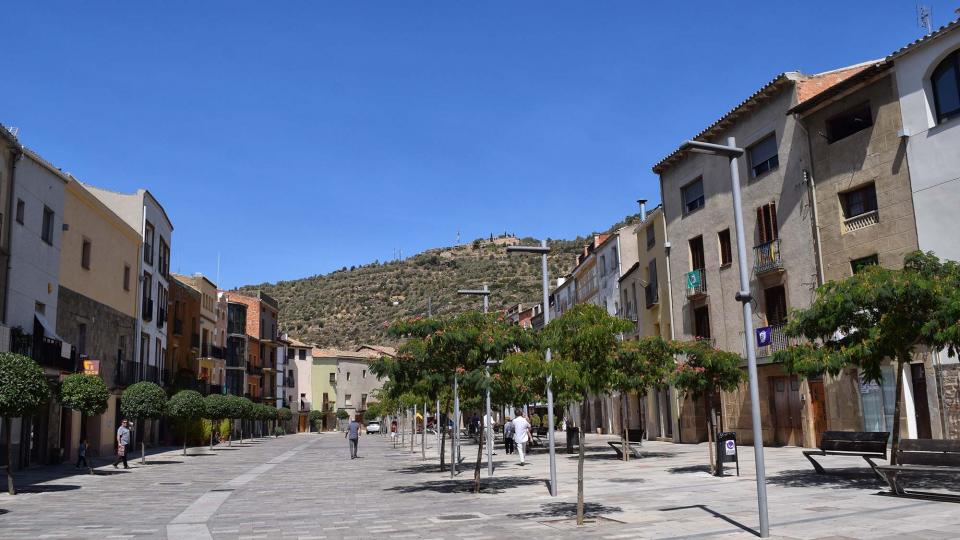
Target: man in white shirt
x=521, y=434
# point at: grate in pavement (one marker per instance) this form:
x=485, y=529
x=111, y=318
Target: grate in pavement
x=222, y=489
x=171, y=483
x=459, y=517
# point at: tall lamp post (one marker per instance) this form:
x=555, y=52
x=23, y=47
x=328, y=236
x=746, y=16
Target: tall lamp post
x=543, y=250
x=488, y=430
x=732, y=152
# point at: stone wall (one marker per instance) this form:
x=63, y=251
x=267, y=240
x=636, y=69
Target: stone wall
x=950, y=379
x=104, y=325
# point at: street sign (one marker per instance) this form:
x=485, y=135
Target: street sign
x=730, y=448
x=764, y=336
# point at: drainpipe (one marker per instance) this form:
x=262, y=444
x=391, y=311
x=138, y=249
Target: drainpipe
x=677, y=432
x=18, y=155
x=812, y=196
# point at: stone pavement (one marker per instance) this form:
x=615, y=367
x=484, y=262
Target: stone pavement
x=305, y=486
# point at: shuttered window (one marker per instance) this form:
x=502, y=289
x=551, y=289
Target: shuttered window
x=767, y=223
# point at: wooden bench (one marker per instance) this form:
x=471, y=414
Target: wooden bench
x=865, y=444
x=539, y=433
x=635, y=440
x=922, y=456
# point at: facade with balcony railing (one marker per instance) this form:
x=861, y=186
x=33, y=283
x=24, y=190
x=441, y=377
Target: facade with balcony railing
x=766, y=258
x=695, y=282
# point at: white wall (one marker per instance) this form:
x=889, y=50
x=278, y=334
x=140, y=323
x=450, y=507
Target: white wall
x=933, y=151
x=34, y=264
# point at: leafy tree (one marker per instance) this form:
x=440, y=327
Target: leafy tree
x=284, y=415
x=143, y=401
x=587, y=336
x=86, y=394
x=186, y=405
x=216, y=407
x=245, y=410
x=23, y=388
x=316, y=419
x=705, y=372
x=640, y=366
x=877, y=315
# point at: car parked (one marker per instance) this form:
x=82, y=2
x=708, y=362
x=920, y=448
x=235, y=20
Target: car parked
x=373, y=427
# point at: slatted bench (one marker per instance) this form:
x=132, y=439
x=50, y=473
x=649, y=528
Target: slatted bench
x=635, y=440
x=865, y=444
x=922, y=456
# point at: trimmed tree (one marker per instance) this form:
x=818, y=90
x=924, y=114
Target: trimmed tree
x=875, y=316
x=143, y=401
x=245, y=413
x=186, y=406
x=316, y=419
x=86, y=394
x=640, y=366
x=284, y=415
x=587, y=336
x=22, y=389
x=705, y=372
x=216, y=408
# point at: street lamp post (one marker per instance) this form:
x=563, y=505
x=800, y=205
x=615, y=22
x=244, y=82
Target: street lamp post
x=543, y=250
x=488, y=430
x=731, y=152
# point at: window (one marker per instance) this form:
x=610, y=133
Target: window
x=147, y=311
x=333, y=378
x=85, y=254
x=763, y=156
x=946, y=87
x=144, y=348
x=859, y=264
x=40, y=308
x=692, y=195
x=697, y=259
x=767, y=223
x=603, y=265
x=723, y=237
x=363, y=401
x=20, y=210
x=364, y=374
x=347, y=401
x=126, y=277
x=651, y=237
x=46, y=233
x=849, y=122
x=302, y=354
x=148, y=243
x=701, y=322
x=164, y=259
x=776, y=300
x=859, y=201
x=348, y=375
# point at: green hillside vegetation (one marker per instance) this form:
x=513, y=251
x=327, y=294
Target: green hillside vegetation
x=354, y=305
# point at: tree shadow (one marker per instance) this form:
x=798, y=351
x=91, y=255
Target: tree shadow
x=567, y=510
x=627, y=480
x=690, y=469
x=159, y=462
x=47, y=488
x=864, y=478
x=466, y=485
x=420, y=469
x=198, y=455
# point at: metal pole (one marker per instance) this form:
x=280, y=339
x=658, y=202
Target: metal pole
x=436, y=426
x=489, y=426
x=551, y=438
x=744, y=297
x=456, y=428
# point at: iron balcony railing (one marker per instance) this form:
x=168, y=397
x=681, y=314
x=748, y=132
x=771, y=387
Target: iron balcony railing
x=147, y=312
x=126, y=373
x=151, y=374
x=696, y=283
x=651, y=294
x=217, y=352
x=778, y=342
x=766, y=257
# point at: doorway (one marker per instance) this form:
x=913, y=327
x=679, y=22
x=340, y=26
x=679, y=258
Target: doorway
x=818, y=407
x=920, y=405
x=788, y=430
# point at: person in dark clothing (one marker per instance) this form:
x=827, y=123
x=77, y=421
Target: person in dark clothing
x=82, y=454
x=353, y=436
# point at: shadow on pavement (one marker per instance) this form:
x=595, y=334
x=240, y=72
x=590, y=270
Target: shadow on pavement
x=158, y=462
x=420, y=469
x=465, y=485
x=47, y=488
x=692, y=469
x=567, y=510
x=627, y=480
x=715, y=514
x=863, y=478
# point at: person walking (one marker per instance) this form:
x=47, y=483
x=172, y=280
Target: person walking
x=123, y=444
x=353, y=436
x=82, y=454
x=508, y=436
x=521, y=434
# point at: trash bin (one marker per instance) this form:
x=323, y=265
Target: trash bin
x=573, y=440
x=726, y=451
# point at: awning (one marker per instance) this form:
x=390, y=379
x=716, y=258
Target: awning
x=49, y=332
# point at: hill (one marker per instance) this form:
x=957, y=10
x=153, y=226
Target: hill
x=354, y=305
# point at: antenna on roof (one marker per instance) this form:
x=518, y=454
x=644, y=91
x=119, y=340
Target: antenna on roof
x=924, y=15
x=14, y=130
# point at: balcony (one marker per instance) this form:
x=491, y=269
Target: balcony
x=860, y=221
x=126, y=373
x=289, y=383
x=254, y=370
x=778, y=342
x=651, y=294
x=766, y=258
x=151, y=374
x=147, y=312
x=217, y=352
x=304, y=406
x=696, y=282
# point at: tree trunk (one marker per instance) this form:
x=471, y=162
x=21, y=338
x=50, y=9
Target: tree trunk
x=211, y=435
x=230, y=436
x=6, y=427
x=623, y=427
x=897, y=408
x=476, y=469
x=580, y=458
x=423, y=435
x=710, y=443
x=443, y=445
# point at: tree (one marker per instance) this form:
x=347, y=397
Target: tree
x=22, y=389
x=877, y=315
x=705, y=372
x=587, y=336
x=186, y=406
x=86, y=394
x=316, y=419
x=640, y=366
x=143, y=401
x=244, y=411
x=216, y=408
x=284, y=415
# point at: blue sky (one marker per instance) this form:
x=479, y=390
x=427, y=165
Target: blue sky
x=298, y=137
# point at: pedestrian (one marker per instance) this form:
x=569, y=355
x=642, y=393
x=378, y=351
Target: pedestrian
x=353, y=436
x=82, y=454
x=123, y=444
x=508, y=435
x=521, y=434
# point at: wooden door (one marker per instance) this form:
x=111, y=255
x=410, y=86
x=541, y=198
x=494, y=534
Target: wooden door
x=920, y=405
x=818, y=408
x=786, y=410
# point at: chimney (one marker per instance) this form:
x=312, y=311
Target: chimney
x=643, y=210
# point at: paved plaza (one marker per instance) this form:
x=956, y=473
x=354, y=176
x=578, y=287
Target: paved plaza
x=305, y=486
